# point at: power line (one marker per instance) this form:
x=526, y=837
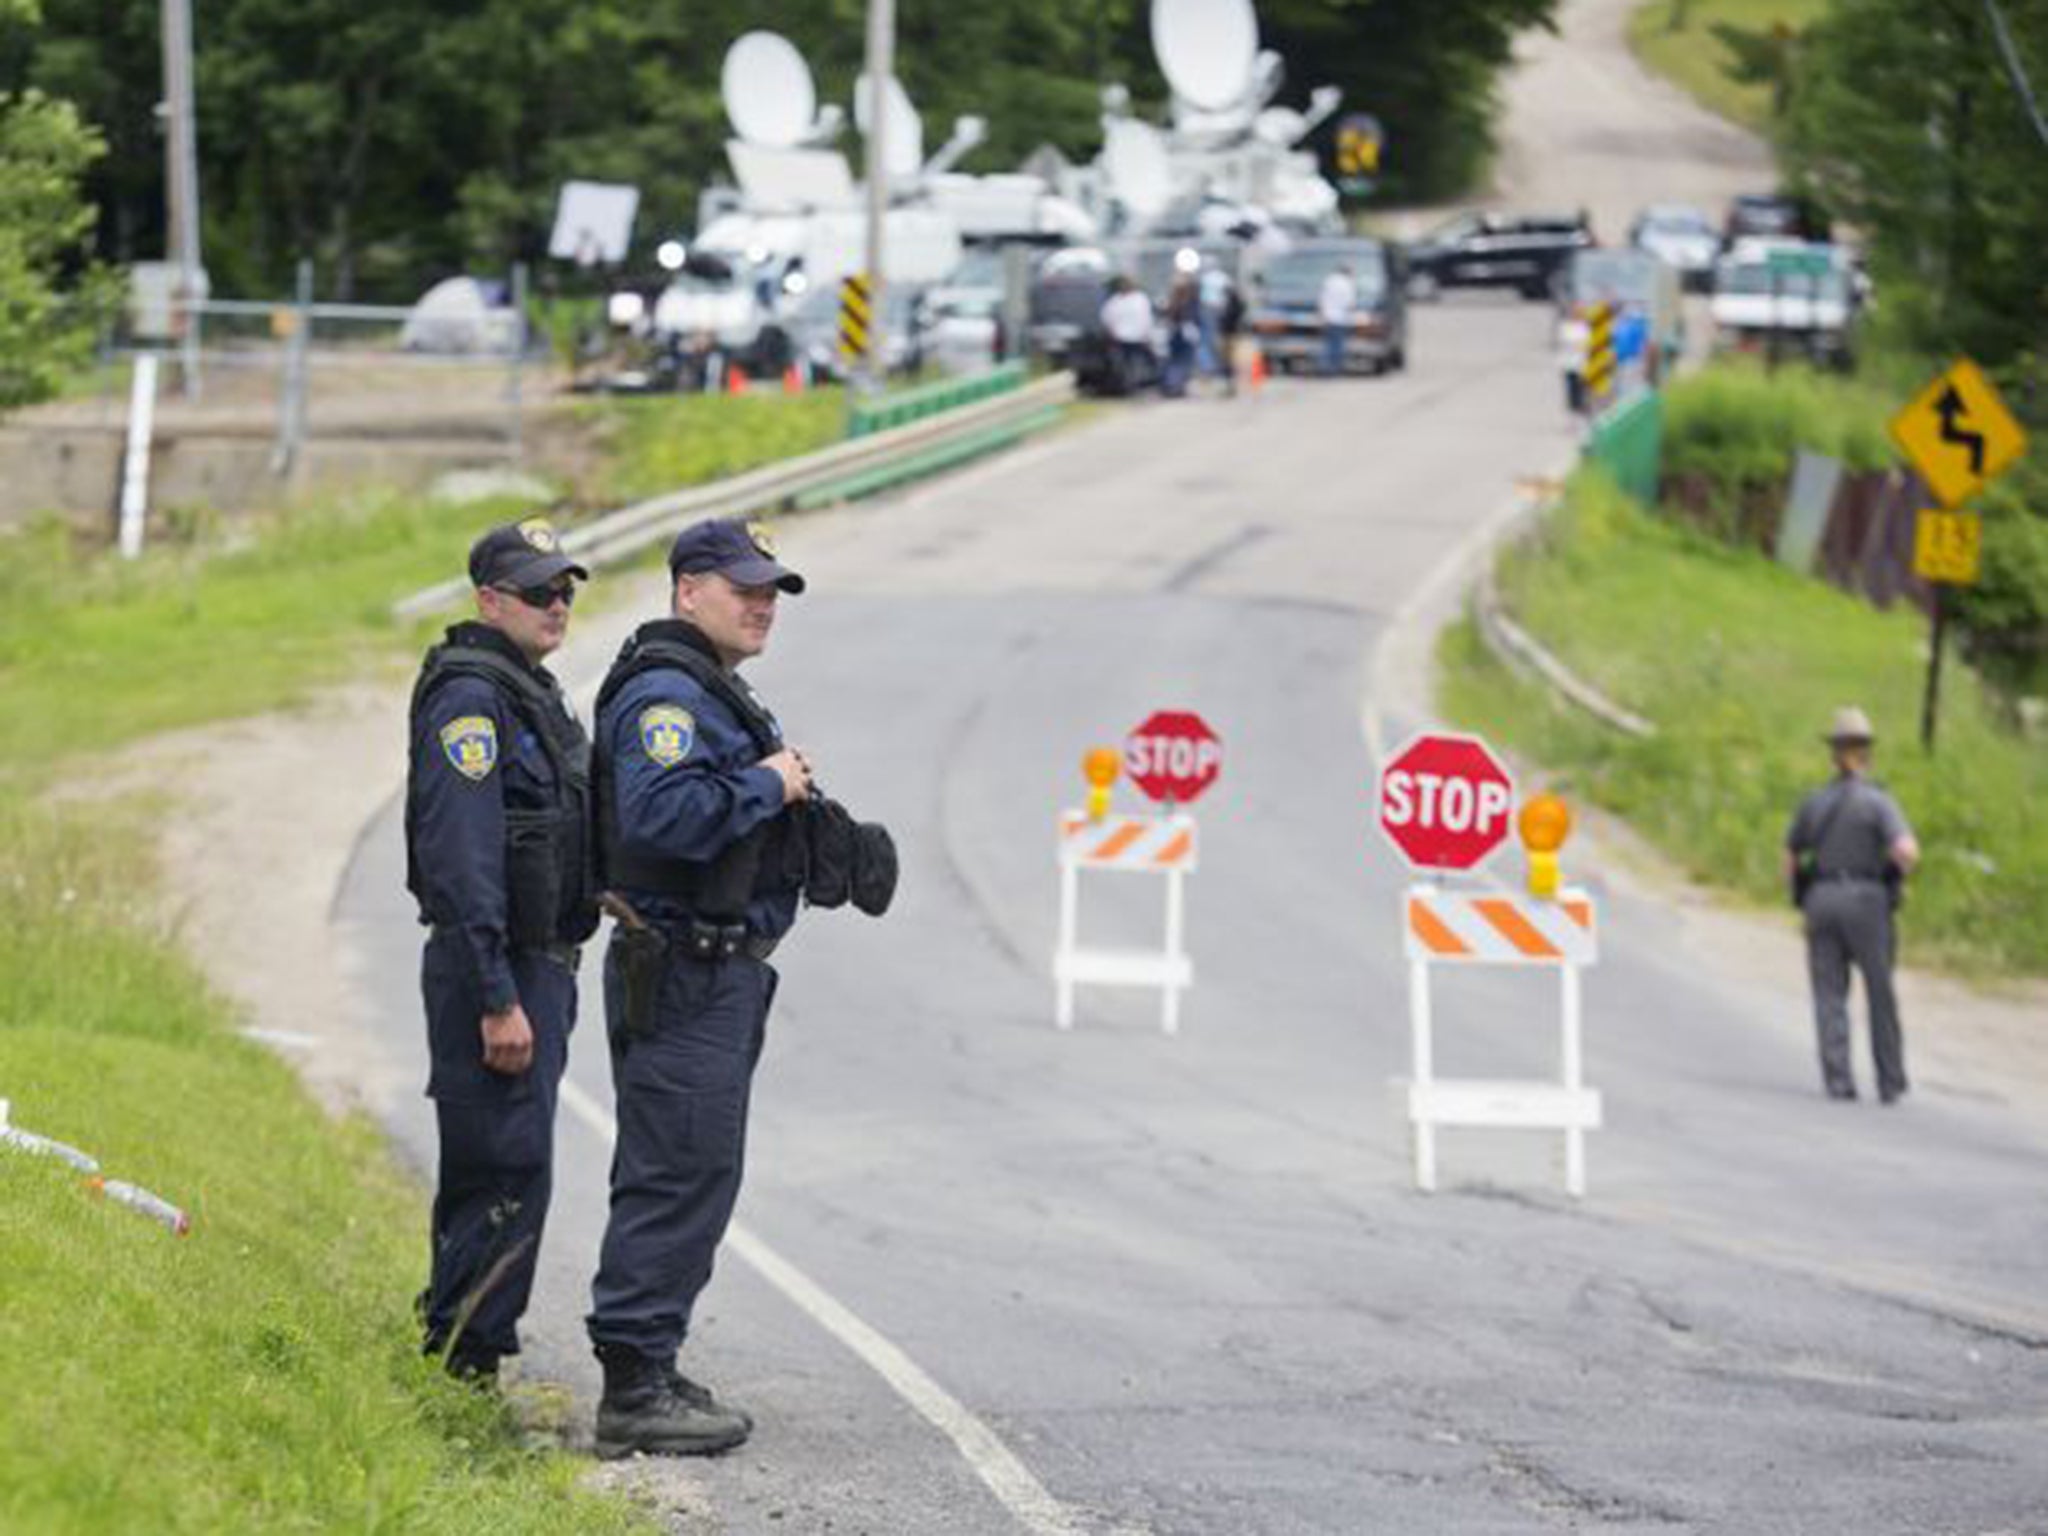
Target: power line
x=2020, y=84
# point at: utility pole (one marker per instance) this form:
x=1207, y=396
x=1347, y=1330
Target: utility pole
x=181, y=182
x=880, y=69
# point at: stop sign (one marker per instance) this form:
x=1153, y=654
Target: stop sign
x=1445, y=801
x=1173, y=755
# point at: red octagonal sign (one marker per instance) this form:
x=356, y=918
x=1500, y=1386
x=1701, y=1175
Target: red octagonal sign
x=1173, y=756
x=1445, y=801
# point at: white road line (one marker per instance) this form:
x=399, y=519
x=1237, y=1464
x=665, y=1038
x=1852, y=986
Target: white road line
x=1013, y=1484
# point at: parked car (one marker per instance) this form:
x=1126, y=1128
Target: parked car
x=1682, y=237
x=1523, y=251
x=1787, y=298
x=1283, y=318
x=1649, y=321
x=1771, y=216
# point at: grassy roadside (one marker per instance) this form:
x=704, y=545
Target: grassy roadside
x=1676, y=39
x=1740, y=663
x=258, y=1374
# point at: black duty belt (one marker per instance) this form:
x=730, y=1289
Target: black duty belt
x=699, y=940
x=1847, y=877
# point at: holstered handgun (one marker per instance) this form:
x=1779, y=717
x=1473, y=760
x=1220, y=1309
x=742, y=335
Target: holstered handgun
x=643, y=961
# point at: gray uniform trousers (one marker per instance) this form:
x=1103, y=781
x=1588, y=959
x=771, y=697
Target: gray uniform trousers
x=1850, y=922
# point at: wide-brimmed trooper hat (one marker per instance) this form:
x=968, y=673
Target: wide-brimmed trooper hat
x=1850, y=727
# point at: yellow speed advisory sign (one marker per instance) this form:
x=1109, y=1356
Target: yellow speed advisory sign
x=1948, y=547
x=1958, y=433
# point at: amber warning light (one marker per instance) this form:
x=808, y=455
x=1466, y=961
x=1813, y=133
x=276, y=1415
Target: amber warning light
x=1545, y=822
x=1100, y=767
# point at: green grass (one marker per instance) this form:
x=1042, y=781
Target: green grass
x=1740, y=663
x=260, y=1374
x=659, y=442
x=217, y=622
x=1676, y=39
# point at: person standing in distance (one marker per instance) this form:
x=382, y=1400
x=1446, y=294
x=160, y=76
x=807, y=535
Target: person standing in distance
x=497, y=815
x=1846, y=853
x=695, y=793
x=1336, y=304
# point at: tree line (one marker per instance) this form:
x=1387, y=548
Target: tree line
x=395, y=142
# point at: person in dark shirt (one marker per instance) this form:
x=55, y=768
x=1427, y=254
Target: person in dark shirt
x=497, y=854
x=1847, y=854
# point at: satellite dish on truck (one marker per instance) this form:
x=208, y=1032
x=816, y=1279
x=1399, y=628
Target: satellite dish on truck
x=1206, y=49
x=770, y=98
x=902, y=128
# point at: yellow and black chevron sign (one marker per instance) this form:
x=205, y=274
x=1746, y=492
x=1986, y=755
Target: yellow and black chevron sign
x=856, y=308
x=1600, y=351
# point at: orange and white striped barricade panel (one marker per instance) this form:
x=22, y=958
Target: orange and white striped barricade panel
x=1463, y=927
x=1154, y=845
x=1143, y=844
x=1500, y=928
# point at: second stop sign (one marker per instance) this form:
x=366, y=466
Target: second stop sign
x=1173, y=755
x=1445, y=801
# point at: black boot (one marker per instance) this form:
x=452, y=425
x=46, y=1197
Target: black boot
x=642, y=1411
x=699, y=1395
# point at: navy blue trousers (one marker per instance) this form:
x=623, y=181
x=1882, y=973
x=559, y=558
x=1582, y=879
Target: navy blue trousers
x=497, y=1149
x=683, y=1093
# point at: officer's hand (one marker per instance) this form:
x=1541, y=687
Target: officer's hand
x=508, y=1041
x=796, y=774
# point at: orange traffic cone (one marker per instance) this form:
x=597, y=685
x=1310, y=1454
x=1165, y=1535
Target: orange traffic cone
x=736, y=380
x=793, y=380
x=1255, y=368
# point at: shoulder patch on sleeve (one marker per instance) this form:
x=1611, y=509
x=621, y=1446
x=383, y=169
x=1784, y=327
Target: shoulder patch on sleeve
x=471, y=745
x=667, y=733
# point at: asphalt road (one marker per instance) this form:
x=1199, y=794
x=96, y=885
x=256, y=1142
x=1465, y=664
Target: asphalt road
x=998, y=1278
x=1185, y=1282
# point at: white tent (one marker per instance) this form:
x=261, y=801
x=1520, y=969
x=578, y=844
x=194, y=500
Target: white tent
x=461, y=315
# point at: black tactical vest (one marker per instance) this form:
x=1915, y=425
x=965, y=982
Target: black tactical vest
x=764, y=862
x=550, y=864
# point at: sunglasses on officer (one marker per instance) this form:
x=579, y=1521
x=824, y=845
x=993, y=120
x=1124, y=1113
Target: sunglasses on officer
x=544, y=596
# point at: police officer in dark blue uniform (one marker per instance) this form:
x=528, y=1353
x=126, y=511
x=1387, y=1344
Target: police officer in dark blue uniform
x=499, y=855
x=698, y=799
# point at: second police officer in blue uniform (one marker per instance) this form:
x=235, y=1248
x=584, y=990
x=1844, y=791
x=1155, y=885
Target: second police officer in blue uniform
x=710, y=833
x=498, y=852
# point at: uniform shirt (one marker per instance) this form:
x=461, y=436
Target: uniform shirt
x=1859, y=838
x=1127, y=317
x=686, y=784
x=1337, y=298
x=473, y=755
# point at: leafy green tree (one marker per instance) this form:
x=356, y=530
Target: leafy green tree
x=47, y=326
x=1906, y=123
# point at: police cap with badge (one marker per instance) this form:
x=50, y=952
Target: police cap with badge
x=742, y=552
x=522, y=557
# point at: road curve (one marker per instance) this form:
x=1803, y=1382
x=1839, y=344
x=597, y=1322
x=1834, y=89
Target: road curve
x=1183, y=1284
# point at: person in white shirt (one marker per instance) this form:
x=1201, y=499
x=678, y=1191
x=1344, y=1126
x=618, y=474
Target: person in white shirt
x=1127, y=320
x=1335, y=305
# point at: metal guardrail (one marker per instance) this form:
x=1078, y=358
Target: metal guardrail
x=850, y=467
x=934, y=399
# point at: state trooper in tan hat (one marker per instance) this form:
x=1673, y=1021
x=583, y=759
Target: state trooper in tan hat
x=1847, y=854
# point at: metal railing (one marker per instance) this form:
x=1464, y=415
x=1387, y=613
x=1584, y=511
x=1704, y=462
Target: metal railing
x=854, y=467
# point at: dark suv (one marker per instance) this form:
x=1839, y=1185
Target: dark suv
x=1522, y=251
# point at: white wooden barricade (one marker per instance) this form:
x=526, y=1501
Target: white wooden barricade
x=1447, y=927
x=1158, y=845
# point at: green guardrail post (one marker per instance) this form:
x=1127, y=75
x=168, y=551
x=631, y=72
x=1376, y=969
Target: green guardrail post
x=1629, y=441
x=923, y=400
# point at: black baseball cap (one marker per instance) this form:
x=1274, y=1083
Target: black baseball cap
x=743, y=552
x=525, y=554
